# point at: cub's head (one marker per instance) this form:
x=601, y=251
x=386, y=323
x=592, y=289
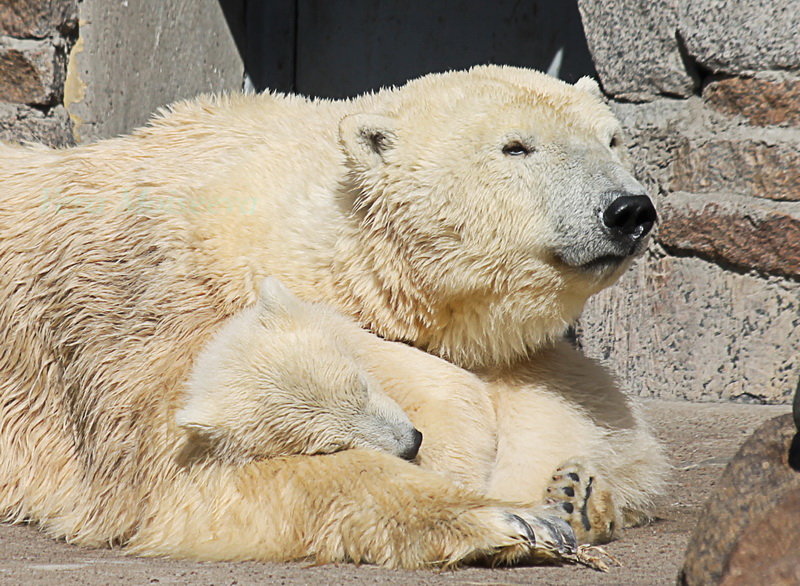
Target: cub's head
x=504, y=199
x=278, y=379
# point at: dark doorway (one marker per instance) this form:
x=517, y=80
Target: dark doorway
x=337, y=49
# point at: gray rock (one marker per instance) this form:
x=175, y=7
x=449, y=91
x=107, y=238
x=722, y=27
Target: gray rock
x=24, y=124
x=685, y=328
x=635, y=48
x=133, y=57
x=734, y=36
x=750, y=530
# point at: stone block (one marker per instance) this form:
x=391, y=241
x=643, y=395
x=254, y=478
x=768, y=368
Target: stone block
x=683, y=145
x=761, y=101
x=133, y=57
x=37, y=18
x=683, y=328
x=740, y=165
x=635, y=49
x=652, y=133
x=736, y=231
x=31, y=72
x=735, y=36
x=25, y=124
x=749, y=532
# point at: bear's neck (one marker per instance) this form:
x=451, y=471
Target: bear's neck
x=375, y=285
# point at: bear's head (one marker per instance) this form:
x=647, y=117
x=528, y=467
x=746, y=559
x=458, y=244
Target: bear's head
x=493, y=202
x=278, y=379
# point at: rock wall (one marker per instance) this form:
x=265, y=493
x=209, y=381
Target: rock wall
x=35, y=39
x=134, y=56
x=79, y=70
x=709, y=91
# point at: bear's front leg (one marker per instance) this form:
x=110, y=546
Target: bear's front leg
x=358, y=506
x=567, y=434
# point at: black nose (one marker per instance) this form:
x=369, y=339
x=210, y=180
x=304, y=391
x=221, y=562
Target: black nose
x=413, y=449
x=631, y=215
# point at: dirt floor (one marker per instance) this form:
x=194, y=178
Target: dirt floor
x=701, y=438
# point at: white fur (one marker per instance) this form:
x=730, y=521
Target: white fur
x=120, y=260
x=279, y=379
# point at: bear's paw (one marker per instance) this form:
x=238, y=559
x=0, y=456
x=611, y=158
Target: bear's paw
x=581, y=498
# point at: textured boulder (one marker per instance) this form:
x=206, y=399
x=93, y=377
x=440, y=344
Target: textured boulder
x=635, y=48
x=37, y=18
x=750, y=531
x=31, y=72
x=766, y=100
x=734, y=230
x=679, y=327
x=732, y=36
x=738, y=164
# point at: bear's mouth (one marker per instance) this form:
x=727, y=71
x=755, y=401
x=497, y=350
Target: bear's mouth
x=606, y=262
x=602, y=263
x=602, y=257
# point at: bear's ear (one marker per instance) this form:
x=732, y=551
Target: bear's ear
x=366, y=138
x=276, y=300
x=590, y=86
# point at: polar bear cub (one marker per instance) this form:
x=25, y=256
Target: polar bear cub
x=279, y=379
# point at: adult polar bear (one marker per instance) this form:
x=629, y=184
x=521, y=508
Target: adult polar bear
x=469, y=213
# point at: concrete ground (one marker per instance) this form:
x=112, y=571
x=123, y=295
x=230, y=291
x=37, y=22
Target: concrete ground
x=700, y=437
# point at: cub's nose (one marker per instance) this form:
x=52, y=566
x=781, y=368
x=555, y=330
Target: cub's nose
x=631, y=215
x=413, y=449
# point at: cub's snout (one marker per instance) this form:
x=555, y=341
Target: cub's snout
x=412, y=449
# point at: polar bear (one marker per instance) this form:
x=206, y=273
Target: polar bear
x=468, y=214
x=278, y=379
x=283, y=377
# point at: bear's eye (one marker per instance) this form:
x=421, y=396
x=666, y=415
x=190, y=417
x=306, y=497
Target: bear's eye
x=614, y=142
x=516, y=149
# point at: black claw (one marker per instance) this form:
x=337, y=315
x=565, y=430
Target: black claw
x=526, y=529
x=574, y=477
x=554, y=531
x=569, y=491
x=562, y=533
x=568, y=507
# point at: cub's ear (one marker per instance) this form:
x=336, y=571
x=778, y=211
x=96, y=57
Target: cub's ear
x=590, y=86
x=366, y=138
x=275, y=300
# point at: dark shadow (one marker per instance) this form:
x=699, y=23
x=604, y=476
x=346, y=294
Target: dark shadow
x=265, y=35
x=796, y=406
x=794, y=450
x=339, y=49
x=234, y=11
x=794, y=453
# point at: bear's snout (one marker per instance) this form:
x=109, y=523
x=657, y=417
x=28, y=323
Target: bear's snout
x=614, y=227
x=630, y=217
